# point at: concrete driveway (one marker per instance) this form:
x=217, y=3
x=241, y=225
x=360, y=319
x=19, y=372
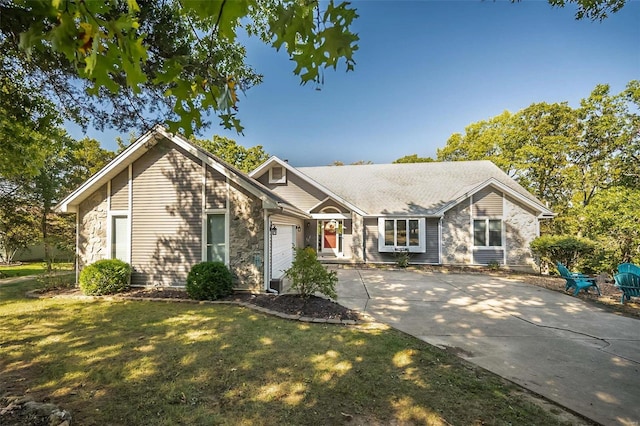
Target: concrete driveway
x=580, y=356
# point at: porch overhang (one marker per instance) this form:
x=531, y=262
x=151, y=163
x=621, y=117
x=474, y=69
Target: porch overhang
x=324, y=216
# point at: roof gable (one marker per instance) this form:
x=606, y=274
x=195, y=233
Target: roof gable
x=142, y=145
x=329, y=204
x=264, y=167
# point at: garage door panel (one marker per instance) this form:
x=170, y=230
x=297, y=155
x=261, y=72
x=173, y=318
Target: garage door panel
x=282, y=250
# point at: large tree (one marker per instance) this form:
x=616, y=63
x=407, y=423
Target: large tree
x=27, y=198
x=18, y=221
x=630, y=155
x=613, y=220
x=413, y=158
x=492, y=139
x=596, y=10
x=131, y=63
x=245, y=159
x=561, y=154
x=28, y=125
x=134, y=63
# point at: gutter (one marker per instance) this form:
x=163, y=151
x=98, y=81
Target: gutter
x=292, y=211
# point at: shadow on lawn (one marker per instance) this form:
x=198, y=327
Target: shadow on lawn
x=152, y=363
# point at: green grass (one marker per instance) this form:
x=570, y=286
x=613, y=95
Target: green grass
x=134, y=363
x=34, y=268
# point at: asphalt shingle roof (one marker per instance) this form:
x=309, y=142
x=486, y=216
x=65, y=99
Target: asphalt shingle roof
x=406, y=189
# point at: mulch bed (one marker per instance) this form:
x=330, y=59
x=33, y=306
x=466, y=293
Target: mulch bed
x=291, y=304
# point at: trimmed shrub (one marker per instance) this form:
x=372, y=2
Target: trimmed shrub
x=107, y=276
x=308, y=275
x=566, y=249
x=209, y=281
x=494, y=265
x=403, y=258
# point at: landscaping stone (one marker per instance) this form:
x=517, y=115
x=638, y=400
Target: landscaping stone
x=23, y=410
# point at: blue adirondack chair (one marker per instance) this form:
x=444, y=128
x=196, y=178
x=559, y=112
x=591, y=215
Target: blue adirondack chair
x=577, y=280
x=629, y=267
x=629, y=284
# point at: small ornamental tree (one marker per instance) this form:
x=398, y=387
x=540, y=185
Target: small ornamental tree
x=209, y=281
x=106, y=276
x=308, y=275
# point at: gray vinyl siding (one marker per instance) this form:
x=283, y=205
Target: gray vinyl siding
x=487, y=202
x=297, y=192
x=347, y=238
x=120, y=191
x=431, y=255
x=433, y=241
x=166, y=216
x=485, y=256
x=216, y=189
x=310, y=230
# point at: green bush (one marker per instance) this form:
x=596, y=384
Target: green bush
x=209, y=281
x=107, y=276
x=403, y=258
x=569, y=250
x=493, y=265
x=309, y=276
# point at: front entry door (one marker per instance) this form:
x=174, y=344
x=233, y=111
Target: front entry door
x=330, y=236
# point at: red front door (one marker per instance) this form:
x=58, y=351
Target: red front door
x=330, y=231
x=330, y=235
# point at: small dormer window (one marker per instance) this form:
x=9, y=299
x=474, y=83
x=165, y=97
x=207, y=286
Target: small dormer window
x=277, y=174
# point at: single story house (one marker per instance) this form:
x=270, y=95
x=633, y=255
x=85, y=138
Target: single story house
x=164, y=204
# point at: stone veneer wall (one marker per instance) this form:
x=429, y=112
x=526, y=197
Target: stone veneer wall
x=521, y=227
x=456, y=235
x=357, y=237
x=246, y=239
x=92, y=244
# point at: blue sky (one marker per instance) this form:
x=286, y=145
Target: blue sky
x=425, y=70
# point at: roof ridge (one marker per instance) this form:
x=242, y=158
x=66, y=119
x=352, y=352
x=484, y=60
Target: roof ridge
x=428, y=163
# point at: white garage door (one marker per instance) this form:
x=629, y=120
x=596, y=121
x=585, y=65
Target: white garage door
x=282, y=250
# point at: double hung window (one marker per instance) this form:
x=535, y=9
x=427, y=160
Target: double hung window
x=487, y=233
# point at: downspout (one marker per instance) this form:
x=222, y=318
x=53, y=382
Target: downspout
x=503, y=231
x=268, y=282
x=364, y=241
x=266, y=263
x=440, y=240
x=78, y=245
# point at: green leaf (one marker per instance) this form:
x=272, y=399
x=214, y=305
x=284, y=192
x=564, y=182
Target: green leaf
x=133, y=6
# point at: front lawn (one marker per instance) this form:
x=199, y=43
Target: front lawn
x=134, y=362
x=33, y=268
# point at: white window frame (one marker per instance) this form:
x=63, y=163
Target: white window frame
x=205, y=233
x=487, y=231
x=110, y=215
x=282, y=179
x=422, y=235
